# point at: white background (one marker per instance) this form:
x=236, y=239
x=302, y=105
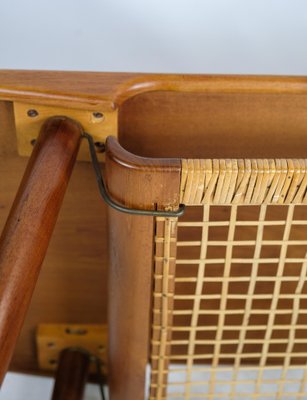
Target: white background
x=196, y=36
x=182, y=36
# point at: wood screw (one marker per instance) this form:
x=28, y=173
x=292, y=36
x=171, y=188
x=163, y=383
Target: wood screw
x=32, y=113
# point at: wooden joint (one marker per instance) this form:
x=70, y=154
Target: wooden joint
x=52, y=339
x=140, y=182
x=29, y=119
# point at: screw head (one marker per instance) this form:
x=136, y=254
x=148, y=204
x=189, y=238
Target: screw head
x=32, y=113
x=97, y=115
x=33, y=142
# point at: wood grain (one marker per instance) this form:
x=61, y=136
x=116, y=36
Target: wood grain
x=159, y=116
x=150, y=184
x=27, y=127
x=51, y=339
x=129, y=315
x=89, y=90
x=72, y=283
x=141, y=182
x=26, y=235
x=71, y=376
x=215, y=125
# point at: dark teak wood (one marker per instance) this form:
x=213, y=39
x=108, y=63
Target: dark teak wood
x=71, y=376
x=29, y=226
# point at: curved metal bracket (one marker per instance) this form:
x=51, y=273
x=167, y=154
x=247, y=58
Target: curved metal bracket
x=107, y=198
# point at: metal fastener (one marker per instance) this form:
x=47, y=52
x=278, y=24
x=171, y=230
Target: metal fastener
x=32, y=113
x=97, y=115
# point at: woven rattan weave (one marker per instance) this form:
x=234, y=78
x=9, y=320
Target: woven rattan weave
x=230, y=288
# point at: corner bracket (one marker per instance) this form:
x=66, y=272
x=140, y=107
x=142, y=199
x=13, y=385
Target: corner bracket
x=30, y=117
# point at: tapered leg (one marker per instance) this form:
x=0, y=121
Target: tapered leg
x=29, y=226
x=71, y=375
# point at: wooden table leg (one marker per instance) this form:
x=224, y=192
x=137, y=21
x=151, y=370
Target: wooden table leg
x=29, y=226
x=71, y=376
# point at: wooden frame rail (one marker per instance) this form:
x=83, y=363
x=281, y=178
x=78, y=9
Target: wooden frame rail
x=150, y=184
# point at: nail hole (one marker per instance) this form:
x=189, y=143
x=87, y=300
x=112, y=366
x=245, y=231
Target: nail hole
x=51, y=345
x=32, y=113
x=53, y=362
x=97, y=115
x=77, y=331
x=33, y=142
x=100, y=147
